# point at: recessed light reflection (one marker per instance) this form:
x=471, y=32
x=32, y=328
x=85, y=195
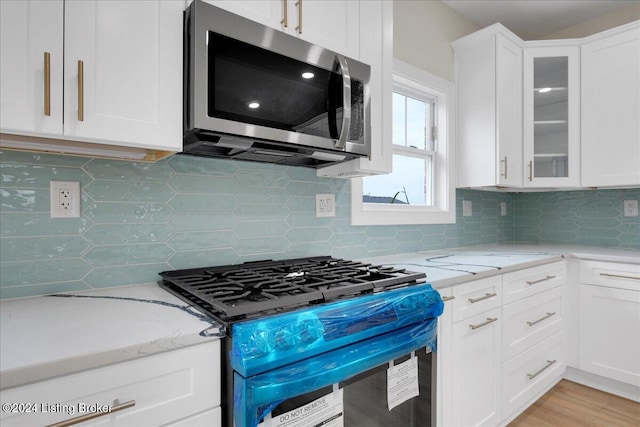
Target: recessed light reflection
x=253, y=105
x=544, y=90
x=307, y=75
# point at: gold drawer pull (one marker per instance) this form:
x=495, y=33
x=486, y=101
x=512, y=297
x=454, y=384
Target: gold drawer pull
x=285, y=21
x=620, y=276
x=47, y=84
x=445, y=299
x=299, y=27
x=480, y=325
x=541, y=319
x=541, y=280
x=80, y=91
x=77, y=420
x=547, y=366
x=486, y=296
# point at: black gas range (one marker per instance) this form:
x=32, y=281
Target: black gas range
x=289, y=316
x=261, y=288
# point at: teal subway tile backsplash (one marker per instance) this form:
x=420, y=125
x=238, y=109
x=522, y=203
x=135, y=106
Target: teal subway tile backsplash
x=142, y=218
x=590, y=217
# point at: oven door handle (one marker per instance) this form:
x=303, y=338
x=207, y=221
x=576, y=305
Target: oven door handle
x=256, y=396
x=341, y=143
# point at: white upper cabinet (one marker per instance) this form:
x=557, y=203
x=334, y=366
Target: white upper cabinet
x=121, y=71
x=130, y=87
x=31, y=47
x=611, y=108
x=376, y=27
x=552, y=116
x=332, y=24
x=489, y=102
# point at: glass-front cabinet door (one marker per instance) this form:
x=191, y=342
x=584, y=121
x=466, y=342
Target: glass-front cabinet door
x=551, y=116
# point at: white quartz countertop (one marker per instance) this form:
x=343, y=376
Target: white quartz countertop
x=49, y=336
x=453, y=266
x=46, y=337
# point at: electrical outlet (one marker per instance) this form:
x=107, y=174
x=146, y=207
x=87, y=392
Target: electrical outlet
x=325, y=205
x=466, y=208
x=503, y=208
x=65, y=199
x=630, y=208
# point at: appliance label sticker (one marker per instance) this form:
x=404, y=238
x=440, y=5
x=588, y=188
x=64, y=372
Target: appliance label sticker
x=402, y=382
x=326, y=411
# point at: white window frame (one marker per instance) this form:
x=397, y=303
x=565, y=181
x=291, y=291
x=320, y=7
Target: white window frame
x=443, y=210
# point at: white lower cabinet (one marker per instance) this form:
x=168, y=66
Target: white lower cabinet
x=504, y=345
x=609, y=321
x=477, y=365
x=531, y=373
x=178, y=388
x=475, y=358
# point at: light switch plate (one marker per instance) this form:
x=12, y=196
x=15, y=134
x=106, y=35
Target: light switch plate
x=503, y=208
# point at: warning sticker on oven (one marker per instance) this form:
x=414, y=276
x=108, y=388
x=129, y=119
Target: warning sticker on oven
x=402, y=382
x=326, y=411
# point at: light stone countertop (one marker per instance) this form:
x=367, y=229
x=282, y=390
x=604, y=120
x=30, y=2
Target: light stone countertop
x=46, y=337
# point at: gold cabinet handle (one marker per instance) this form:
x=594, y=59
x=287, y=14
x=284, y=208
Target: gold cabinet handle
x=80, y=91
x=505, y=167
x=445, y=298
x=620, y=276
x=542, y=318
x=530, y=170
x=486, y=296
x=480, y=325
x=285, y=13
x=541, y=280
x=547, y=366
x=77, y=420
x=299, y=27
x=47, y=84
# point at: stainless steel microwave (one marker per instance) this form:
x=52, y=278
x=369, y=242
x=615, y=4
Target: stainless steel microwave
x=255, y=93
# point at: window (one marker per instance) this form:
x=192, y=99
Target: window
x=420, y=189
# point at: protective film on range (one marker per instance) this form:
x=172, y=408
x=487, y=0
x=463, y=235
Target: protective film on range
x=256, y=396
x=265, y=344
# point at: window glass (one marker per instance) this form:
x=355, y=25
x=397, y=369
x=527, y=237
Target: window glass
x=406, y=185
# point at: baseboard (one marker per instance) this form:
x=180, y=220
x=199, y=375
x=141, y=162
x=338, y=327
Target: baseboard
x=598, y=382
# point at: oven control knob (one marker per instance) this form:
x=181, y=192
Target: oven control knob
x=311, y=330
x=288, y=336
x=263, y=342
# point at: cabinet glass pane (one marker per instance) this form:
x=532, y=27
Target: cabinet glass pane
x=550, y=117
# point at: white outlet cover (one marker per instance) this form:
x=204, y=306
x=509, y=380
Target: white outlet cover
x=325, y=205
x=467, y=208
x=503, y=208
x=630, y=208
x=72, y=210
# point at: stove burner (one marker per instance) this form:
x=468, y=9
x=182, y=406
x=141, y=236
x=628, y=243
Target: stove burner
x=238, y=291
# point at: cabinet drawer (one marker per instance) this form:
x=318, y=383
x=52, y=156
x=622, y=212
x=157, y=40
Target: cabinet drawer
x=475, y=297
x=530, y=281
x=166, y=387
x=531, y=320
x=531, y=372
x=610, y=274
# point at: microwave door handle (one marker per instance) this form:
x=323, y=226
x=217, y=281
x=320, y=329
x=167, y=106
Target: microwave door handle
x=346, y=104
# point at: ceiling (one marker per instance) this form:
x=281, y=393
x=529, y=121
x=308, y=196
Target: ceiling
x=532, y=19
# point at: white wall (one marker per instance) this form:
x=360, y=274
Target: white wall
x=610, y=20
x=422, y=34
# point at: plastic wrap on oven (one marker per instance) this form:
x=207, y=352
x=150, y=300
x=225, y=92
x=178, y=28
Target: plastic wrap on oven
x=257, y=396
x=268, y=343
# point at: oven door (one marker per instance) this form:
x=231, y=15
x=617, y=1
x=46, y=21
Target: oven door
x=352, y=380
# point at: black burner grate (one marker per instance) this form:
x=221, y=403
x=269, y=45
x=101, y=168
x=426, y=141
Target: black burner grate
x=238, y=291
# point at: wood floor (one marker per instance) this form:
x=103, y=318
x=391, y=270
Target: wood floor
x=571, y=404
